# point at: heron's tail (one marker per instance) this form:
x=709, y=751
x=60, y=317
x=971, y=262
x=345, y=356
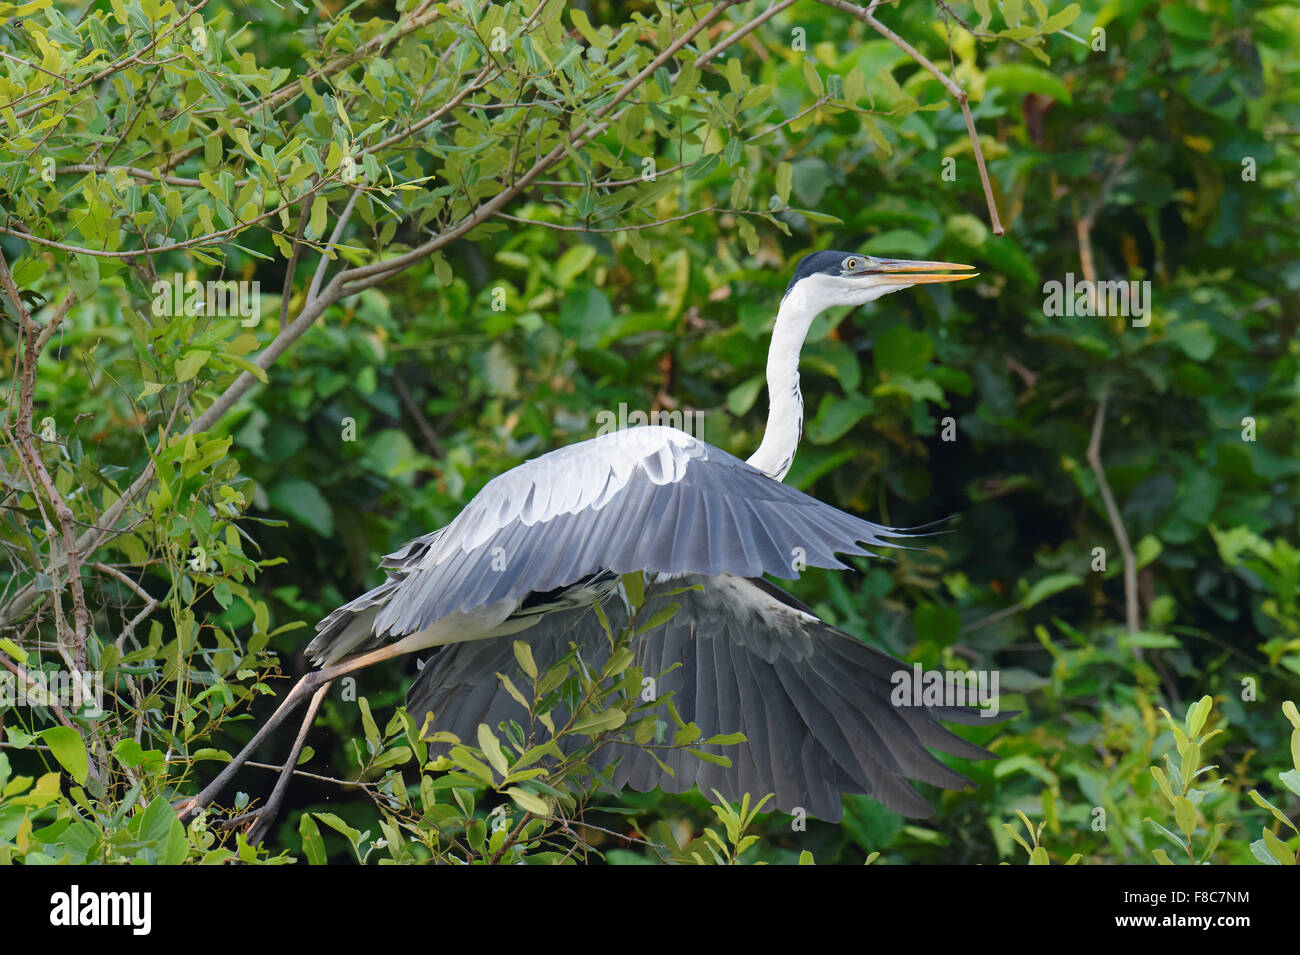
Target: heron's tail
x=350, y=627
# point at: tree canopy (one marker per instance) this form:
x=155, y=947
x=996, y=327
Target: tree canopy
x=282, y=285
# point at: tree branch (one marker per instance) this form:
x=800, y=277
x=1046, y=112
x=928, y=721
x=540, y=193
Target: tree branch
x=35, y=340
x=959, y=94
x=1116, y=522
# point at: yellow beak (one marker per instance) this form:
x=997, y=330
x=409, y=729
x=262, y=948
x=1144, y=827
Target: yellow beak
x=912, y=272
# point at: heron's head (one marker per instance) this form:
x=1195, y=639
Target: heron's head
x=826, y=279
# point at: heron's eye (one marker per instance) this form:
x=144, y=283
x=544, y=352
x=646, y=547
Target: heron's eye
x=850, y=264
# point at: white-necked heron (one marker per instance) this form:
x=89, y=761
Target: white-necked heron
x=539, y=544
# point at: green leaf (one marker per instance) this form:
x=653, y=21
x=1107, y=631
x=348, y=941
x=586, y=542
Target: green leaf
x=1163, y=782
x=1185, y=814
x=529, y=802
x=1173, y=839
x=1259, y=849
x=1197, y=714
x=595, y=723
x=784, y=178
x=305, y=504
x=658, y=618
x=1279, y=850
x=1187, y=22
x=319, y=207
x=825, y=218
x=1291, y=780
x=1062, y=19
x=1023, y=78
x=83, y=276
x=524, y=656
x=573, y=263
x=69, y=750
x=811, y=77
x=899, y=350
x=1196, y=338
x=741, y=398
x=634, y=587
x=589, y=33
x=710, y=757
x=243, y=364
x=836, y=416
x=188, y=366
x=368, y=724
x=19, y=654
x=1293, y=715
x=212, y=150
x=1278, y=814
x=313, y=846
x=1049, y=586
x=1148, y=641
x=159, y=826
x=338, y=825
x=491, y=747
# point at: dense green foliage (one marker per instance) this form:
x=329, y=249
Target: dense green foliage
x=1124, y=141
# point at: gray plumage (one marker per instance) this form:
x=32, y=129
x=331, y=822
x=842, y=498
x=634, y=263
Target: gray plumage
x=812, y=702
x=653, y=499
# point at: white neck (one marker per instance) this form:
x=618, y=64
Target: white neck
x=785, y=403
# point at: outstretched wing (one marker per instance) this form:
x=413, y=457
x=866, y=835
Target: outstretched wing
x=652, y=498
x=813, y=702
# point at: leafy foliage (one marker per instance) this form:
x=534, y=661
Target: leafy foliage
x=475, y=227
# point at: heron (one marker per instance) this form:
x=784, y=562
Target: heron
x=541, y=544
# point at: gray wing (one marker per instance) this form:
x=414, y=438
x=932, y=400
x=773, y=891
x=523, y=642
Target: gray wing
x=813, y=702
x=652, y=498
x=352, y=626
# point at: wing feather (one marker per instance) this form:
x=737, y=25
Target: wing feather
x=813, y=702
x=652, y=499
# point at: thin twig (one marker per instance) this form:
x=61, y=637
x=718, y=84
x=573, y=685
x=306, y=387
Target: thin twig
x=749, y=27
x=622, y=228
x=150, y=604
x=995, y=223
x=36, y=338
x=421, y=422
x=1083, y=226
x=286, y=291
x=1116, y=523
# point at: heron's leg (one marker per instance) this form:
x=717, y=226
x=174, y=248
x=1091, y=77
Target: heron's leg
x=186, y=808
x=265, y=815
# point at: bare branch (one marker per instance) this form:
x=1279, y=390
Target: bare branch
x=1116, y=522
x=744, y=31
x=1083, y=225
x=620, y=228
x=24, y=438
x=959, y=94
x=335, y=237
